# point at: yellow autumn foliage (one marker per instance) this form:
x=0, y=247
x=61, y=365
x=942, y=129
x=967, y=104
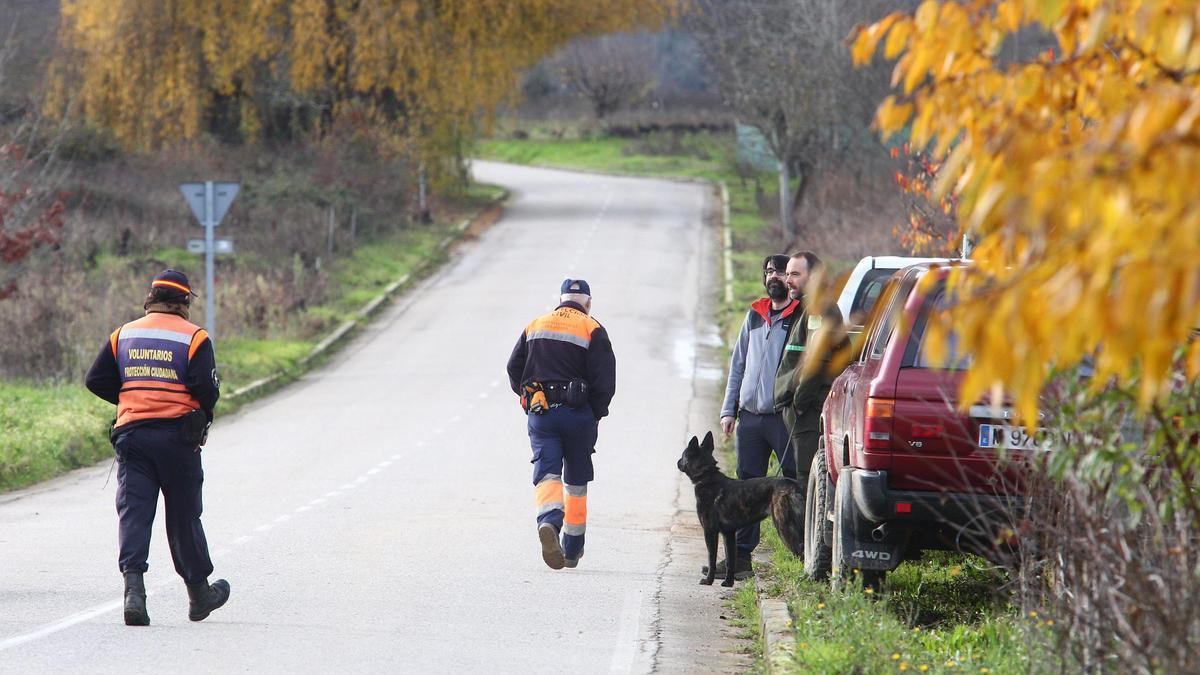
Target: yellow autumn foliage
x=1077, y=172
x=151, y=70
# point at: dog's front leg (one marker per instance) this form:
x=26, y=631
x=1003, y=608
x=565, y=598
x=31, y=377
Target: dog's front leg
x=710, y=540
x=730, y=556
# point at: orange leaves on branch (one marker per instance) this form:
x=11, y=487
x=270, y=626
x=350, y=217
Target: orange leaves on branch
x=1074, y=164
x=929, y=229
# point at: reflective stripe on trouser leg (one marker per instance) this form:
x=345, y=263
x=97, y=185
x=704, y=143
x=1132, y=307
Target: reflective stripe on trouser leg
x=575, y=522
x=548, y=498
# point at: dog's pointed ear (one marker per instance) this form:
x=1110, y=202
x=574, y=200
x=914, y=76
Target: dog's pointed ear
x=708, y=442
x=694, y=443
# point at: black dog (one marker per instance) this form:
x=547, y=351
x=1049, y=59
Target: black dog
x=725, y=504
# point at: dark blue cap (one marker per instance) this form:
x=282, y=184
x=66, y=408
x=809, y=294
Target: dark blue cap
x=575, y=286
x=173, y=280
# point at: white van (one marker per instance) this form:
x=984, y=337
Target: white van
x=866, y=281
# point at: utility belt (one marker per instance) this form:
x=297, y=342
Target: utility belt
x=539, y=397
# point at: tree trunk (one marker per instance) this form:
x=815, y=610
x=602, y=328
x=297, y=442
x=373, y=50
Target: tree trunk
x=785, y=201
x=422, y=195
x=332, y=229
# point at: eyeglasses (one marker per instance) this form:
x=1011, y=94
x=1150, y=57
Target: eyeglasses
x=773, y=273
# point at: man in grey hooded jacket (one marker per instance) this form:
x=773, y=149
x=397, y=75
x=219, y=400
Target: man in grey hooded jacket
x=750, y=393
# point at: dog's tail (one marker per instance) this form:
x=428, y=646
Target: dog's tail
x=787, y=510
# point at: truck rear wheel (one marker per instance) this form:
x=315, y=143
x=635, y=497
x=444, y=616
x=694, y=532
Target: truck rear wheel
x=818, y=554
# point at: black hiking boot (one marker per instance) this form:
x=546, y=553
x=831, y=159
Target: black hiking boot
x=205, y=598
x=135, y=600
x=743, y=571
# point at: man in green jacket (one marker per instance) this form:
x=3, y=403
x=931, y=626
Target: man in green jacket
x=799, y=396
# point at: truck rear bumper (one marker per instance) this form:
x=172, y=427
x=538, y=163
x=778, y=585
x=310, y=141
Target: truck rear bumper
x=879, y=503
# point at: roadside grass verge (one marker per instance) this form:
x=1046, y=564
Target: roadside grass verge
x=46, y=429
x=942, y=614
x=946, y=613
x=49, y=428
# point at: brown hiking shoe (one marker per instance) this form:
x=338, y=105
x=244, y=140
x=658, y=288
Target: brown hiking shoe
x=551, y=549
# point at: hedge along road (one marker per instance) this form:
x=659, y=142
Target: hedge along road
x=377, y=515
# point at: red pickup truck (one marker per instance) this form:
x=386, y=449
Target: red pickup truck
x=899, y=469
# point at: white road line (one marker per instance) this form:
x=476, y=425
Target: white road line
x=627, y=634
x=98, y=610
x=74, y=619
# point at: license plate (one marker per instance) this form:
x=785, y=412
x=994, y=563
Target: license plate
x=1011, y=437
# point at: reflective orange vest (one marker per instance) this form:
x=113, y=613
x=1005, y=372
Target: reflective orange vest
x=152, y=356
x=564, y=324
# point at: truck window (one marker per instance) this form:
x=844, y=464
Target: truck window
x=889, y=310
x=886, y=315
x=915, y=355
x=868, y=293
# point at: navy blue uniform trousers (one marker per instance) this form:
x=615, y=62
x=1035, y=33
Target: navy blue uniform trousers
x=757, y=436
x=563, y=440
x=155, y=458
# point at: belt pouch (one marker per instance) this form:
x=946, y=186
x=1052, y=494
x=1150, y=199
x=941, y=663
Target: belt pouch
x=577, y=393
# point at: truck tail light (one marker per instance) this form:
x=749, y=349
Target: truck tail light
x=877, y=423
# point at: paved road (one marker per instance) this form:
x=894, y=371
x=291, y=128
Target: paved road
x=378, y=515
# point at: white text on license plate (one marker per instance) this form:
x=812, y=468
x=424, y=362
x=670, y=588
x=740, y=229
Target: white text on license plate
x=1011, y=437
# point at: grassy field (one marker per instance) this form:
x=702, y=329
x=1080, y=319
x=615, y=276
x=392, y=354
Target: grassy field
x=943, y=614
x=49, y=428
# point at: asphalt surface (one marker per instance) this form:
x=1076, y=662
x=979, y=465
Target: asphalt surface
x=377, y=515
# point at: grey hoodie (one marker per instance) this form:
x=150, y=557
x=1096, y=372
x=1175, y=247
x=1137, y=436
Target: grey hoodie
x=755, y=359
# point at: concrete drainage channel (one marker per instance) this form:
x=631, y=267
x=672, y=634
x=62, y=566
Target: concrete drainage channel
x=263, y=386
